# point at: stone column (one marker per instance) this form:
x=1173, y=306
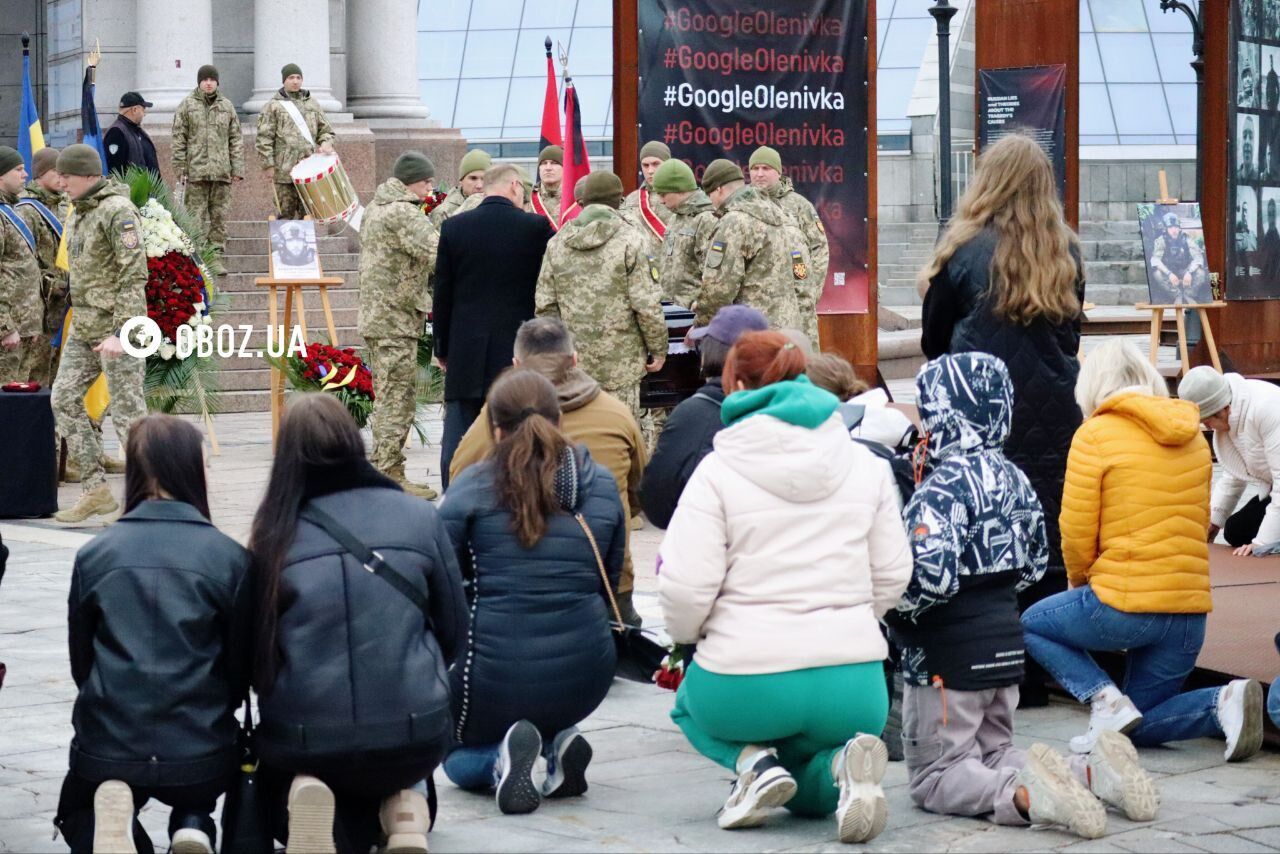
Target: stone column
x=382, y=60
x=174, y=40
x=294, y=31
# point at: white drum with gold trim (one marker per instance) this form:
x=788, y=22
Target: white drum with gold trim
x=324, y=188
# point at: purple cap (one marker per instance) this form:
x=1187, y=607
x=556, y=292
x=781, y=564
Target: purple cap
x=729, y=324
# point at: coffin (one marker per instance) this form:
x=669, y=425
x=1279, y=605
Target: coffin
x=679, y=377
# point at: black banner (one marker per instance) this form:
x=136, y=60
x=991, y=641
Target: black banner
x=1031, y=100
x=719, y=78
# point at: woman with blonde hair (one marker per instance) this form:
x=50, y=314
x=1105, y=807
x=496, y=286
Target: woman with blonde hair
x=1134, y=515
x=1006, y=279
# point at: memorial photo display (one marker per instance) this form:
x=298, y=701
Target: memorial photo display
x=1254, y=244
x=293, y=249
x=1173, y=248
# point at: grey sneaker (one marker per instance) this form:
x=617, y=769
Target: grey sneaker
x=1057, y=798
x=862, y=812
x=1117, y=778
x=762, y=787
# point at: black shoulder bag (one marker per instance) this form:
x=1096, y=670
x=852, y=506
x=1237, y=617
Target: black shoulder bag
x=246, y=826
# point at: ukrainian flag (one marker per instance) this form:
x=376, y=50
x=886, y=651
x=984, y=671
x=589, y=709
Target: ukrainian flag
x=30, y=135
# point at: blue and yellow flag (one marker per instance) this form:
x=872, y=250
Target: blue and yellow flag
x=30, y=135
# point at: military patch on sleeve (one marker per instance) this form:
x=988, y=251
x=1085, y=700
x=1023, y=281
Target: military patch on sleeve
x=715, y=255
x=798, y=267
x=129, y=235
x=653, y=269
x=818, y=221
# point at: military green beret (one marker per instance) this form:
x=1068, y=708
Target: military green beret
x=602, y=188
x=209, y=72
x=44, y=160
x=674, y=176
x=656, y=149
x=554, y=153
x=10, y=159
x=412, y=167
x=475, y=160
x=80, y=159
x=289, y=70
x=719, y=173
x=766, y=156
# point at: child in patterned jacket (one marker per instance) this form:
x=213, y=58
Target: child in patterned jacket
x=977, y=535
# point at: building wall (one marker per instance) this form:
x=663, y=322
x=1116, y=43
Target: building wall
x=19, y=16
x=1110, y=190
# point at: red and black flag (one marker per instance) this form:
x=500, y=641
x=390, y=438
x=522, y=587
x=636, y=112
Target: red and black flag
x=576, y=162
x=551, y=105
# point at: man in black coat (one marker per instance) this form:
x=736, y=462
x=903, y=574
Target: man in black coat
x=687, y=436
x=126, y=143
x=486, y=272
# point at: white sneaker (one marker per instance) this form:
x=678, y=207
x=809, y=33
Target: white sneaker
x=1057, y=798
x=862, y=813
x=113, y=819
x=1115, y=716
x=1116, y=778
x=190, y=840
x=1240, y=713
x=311, y=808
x=762, y=787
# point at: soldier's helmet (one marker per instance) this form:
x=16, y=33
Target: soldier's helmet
x=1171, y=221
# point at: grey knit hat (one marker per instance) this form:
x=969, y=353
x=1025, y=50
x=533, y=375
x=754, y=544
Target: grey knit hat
x=1207, y=389
x=10, y=159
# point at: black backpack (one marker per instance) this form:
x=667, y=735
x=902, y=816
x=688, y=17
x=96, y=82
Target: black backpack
x=903, y=475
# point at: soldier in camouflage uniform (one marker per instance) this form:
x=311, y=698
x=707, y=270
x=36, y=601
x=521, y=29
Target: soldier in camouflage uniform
x=21, y=309
x=652, y=155
x=48, y=190
x=281, y=144
x=693, y=219
x=550, y=176
x=397, y=255
x=767, y=177
x=747, y=260
x=598, y=279
x=208, y=154
x=108, y=281
x=470, y=186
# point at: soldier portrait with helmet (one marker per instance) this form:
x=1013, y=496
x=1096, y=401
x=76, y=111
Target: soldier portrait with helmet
x=1173, y=242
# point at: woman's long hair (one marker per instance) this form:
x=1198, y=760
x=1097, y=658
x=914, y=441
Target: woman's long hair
x=1034, y=271
x=316, y=431
x=759, y=359
x=165, y=454
x=523, y=405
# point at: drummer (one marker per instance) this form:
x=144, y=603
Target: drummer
x=292, y=127
x=470, y=183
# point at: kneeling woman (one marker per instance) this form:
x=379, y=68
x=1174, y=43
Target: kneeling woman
x=352, y=647
x=535, y=527
x=160, y=625
x=786, y=547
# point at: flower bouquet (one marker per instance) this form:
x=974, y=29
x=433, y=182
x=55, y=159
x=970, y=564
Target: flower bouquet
x=178, y=292
x=671, y=673
x=433, y=201
x=339, y=372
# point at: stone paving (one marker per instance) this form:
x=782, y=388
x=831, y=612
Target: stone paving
x=649, y=790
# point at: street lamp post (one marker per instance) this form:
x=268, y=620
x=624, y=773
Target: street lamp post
x=1197, y=47
x=943, y=12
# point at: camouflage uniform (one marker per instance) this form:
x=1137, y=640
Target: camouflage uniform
x=108, y=281
x=748, y=262
x=53, y=284
x=550, y=198
x=814, y=235
x=21, y=308
x=208, y=151
x=451, y=205
x=684, y=251
x=597, y=277
x=397, y=254
x=281, y=145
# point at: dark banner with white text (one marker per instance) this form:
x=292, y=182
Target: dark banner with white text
x=1027, y=100
x=719, y=78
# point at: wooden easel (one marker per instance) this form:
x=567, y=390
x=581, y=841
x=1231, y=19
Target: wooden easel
x=292, y=288
x=1157, y=311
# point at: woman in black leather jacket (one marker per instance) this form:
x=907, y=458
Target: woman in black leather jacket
x=540, y=656
x=160, y=634
x=351, y=651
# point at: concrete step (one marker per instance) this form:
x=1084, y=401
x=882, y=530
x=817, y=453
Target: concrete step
x=331, y=264
x=892, y=296
x=261, y=245
x=343, y=318
x=1114, y=230
x=1115, y=294
x=1112, y=250
x=257, y=228
x=899, y=356
x=245, y=282
x=256, y=300
x=1115, y=272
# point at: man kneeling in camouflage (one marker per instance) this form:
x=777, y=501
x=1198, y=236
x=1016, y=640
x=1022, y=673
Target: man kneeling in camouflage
x=108, y=286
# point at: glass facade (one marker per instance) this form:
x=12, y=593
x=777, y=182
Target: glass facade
x=903, y=28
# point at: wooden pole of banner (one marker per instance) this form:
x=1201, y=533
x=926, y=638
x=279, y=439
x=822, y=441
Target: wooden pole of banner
x=626, y=93
x=292, y=288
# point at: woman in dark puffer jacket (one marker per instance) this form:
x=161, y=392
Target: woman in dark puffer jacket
x=1006, y=279
x=540, y=655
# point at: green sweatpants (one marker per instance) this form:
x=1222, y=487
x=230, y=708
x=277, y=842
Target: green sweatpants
x=808, y=715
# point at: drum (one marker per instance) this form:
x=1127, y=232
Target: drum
x=680, y=376
x=324, y=188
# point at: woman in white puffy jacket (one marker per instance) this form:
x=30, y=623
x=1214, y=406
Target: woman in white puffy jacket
x=785, y=549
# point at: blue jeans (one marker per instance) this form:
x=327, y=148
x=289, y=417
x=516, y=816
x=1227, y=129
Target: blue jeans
x=475, y=768
x=1162, y=650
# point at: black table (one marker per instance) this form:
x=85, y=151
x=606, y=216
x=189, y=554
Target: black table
x=28, y=462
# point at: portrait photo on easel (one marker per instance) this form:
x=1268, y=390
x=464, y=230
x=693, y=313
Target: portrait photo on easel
x=294, y=254
x=1173, y=247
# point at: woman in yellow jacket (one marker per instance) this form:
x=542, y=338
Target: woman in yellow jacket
x=1135, y=512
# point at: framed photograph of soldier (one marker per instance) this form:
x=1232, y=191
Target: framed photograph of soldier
x=1173, y=246
x=1253, y=250
x=293, y=249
